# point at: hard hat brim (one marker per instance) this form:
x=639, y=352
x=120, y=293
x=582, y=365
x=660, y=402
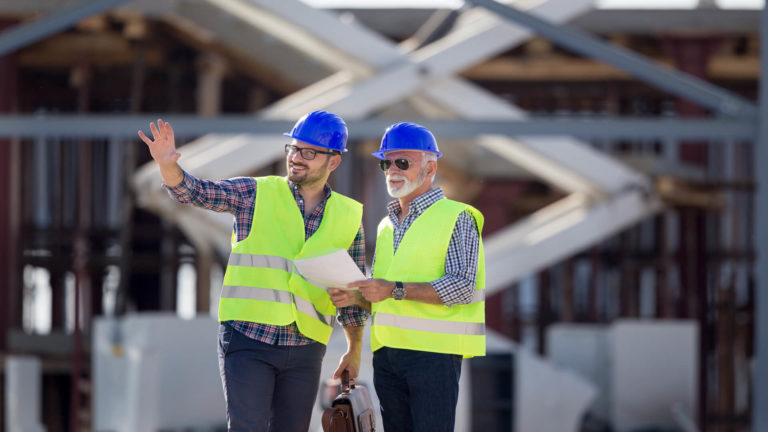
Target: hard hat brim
x=380, y=154
x=288, y=134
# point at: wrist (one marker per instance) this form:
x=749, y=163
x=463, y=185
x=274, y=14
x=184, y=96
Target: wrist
x=398, y=291
x=172, y=174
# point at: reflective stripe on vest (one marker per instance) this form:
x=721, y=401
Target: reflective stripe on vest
x=478, y=296
x=261, y=284
x=429, y=325
x=268, y=261
x=420, y=257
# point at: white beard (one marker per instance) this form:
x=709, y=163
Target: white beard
x=407, y=187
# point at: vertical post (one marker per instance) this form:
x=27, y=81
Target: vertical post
x=664, y=300
x=544, y=317
x=515, y=323
x=568, y=306
x=594, y=258
x=80, y=245
x=211, y=74
x=9, y=291
x=726, y=337
x=760, y=383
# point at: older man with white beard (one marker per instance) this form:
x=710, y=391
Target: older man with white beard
x=427, y=291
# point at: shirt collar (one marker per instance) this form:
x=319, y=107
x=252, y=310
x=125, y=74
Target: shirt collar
x=419, y=204
x=296, y=189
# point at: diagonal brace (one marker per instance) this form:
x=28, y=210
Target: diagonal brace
x=26, y=34
x=681, y=84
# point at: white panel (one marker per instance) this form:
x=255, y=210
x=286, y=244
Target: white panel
x=548, y=399
x=655, y=370
x=23, y=394
x=583, y=349
x=164, y=376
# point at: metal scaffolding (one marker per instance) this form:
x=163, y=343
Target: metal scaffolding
x=599, y=196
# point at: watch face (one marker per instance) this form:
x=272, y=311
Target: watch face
x=398, y=292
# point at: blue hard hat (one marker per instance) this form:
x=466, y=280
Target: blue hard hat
x=322, y=129
x=407, y=136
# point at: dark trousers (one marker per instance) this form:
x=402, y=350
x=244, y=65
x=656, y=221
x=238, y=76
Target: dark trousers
x=417, y=390
x=268, y=387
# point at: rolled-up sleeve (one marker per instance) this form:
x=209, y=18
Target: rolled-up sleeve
x=355, y=316
x=228, y=196
x=457, y=286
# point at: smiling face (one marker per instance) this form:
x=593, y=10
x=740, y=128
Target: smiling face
x=307, y=172
x=415, y=180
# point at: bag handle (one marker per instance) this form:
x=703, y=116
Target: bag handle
x=347, y=384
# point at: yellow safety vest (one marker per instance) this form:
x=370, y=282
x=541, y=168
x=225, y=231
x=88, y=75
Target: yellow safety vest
x=420, y=257
x=261, y=284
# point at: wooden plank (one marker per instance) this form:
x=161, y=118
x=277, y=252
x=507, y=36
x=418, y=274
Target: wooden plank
x=561, y=68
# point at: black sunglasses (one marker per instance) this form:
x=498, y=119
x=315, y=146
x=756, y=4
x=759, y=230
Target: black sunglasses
x=306, y=152
x=401, y=164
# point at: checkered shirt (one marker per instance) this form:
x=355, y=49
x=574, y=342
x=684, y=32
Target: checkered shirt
x=457, y=286
x=238, y=197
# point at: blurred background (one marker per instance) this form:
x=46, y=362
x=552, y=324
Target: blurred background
x=610, y=144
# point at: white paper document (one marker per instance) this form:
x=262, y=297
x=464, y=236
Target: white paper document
x=334, y=269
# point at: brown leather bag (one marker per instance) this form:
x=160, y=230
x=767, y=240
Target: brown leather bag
x=351, y=411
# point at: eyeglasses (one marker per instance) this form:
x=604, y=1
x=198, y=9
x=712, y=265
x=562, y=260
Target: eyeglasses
x=306, y=152
x=401, y=164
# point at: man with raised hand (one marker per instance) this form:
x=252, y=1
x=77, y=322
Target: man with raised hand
x=274, y=325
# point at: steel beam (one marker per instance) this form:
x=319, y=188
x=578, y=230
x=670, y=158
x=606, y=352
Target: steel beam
x=191, y=126
x=26, y=34
x=477, y=36
x=760, y=323
x=556, y=232
x=683, y=85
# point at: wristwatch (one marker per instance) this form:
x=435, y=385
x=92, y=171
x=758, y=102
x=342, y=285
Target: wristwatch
x=398, y=292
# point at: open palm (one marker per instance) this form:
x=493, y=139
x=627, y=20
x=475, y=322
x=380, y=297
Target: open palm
x=162, y=147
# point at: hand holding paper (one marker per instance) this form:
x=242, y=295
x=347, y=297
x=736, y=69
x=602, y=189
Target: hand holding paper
x=333, y=268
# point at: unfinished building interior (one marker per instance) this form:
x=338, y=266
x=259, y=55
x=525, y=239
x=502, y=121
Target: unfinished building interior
x=651, y=225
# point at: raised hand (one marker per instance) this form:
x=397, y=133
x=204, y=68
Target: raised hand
x=163, y=146
x=163, y=151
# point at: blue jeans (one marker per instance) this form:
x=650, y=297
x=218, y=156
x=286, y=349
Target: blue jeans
x=417, y=390
x=268, y=387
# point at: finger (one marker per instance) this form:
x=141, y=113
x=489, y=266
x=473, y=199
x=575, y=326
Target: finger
x=340, y=369
x=169, y=132
x=353, y=372
x=155, y=133
x=144, y=138
x=359, y=284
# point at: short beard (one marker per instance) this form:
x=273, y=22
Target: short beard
x=408, y=187
x=310, y=176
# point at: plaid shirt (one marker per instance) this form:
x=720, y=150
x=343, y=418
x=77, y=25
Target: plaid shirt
x=457, y=286
x=238, y=196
